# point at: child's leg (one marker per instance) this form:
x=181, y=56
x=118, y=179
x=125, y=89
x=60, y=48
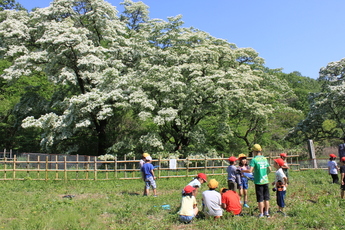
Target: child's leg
x=245, y=195
x=342, y=194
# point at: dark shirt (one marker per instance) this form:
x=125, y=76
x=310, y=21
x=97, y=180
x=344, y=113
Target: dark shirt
x=341, y=150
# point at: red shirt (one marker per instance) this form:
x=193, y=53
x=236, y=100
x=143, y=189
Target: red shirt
x=232, y=201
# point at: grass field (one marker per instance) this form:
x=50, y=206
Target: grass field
x=312, y=203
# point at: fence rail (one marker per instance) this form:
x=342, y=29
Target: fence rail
x=90, y=168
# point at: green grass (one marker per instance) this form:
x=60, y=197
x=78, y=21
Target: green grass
x=312, y=203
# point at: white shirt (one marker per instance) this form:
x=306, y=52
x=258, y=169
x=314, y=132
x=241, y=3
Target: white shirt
x=212, y=201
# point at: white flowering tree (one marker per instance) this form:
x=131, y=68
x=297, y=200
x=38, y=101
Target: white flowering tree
x=82, y=48
x=326, y=117
x=191, y=76
x=181, y=82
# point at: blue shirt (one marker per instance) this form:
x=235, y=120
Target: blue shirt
x=146, y=169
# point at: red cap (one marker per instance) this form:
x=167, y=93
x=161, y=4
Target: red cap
x=188, y=189
x=332, y=155
x=202, y=176
x=279, y=161
x=283, y=155
x=342, y=159
x=232, y=159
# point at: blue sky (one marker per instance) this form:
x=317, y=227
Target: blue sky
x=296, y=35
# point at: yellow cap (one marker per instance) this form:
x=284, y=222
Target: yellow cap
x=213, y=183
x=257, y=148
x=241, y=155
x=146, y=154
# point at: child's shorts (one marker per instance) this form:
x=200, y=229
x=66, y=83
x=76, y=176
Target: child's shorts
x=150, y=182
x=186, y=219
x=244, y=183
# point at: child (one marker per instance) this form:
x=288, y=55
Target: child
x=244, y=168
x=149, y=177
x=232, y=171
x=333, y=168
x=197, y=181
x=212, y=200
x=231, y=201
x=280, y=184
x=285, y=167
x=342, y=173
x=189, y=208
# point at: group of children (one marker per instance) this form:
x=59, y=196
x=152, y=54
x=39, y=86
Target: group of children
x=333, y=171
x=213, y=202
x=228, y=199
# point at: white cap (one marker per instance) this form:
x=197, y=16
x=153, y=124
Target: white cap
x=149, y=158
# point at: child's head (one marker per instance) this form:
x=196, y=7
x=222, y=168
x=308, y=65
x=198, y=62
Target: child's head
x=213, y=184
x=242, y=158
x=332, y=157
x=202, y=177
x=232, y=160
x=188, y=190
x=283, y=156
x=342, y=160
x=279, y=162
x=223, y=190
x=148, y=159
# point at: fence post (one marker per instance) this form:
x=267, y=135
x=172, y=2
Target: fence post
x=27, y=166
x=87, y=168
x=159, y=168
x=46, y=168
x=56, y=168
x=125, y=159
x=14, y=167
x=205, y=167
x=187, y=166
x=38, y=167
x=115, y=167
x=65, y=167
x=5, y=167
x=95, y=168
x=77, y=172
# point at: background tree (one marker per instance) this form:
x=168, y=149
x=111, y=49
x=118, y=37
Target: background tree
x=81, y=47
x=325, y=121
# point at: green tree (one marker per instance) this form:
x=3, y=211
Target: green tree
x=10, y=5
x=325, y=119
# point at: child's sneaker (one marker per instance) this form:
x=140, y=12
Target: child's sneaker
x=246, y=205
x=261, y=215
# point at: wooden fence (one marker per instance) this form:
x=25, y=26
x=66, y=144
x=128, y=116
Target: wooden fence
x=48, y=168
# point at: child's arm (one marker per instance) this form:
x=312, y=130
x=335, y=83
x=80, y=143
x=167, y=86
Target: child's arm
x=285, y=166
x=342, y=178
x=224, y=206
x=153, y=174
x=285, y=181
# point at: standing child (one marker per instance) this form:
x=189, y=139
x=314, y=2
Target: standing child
x=149, y=177
x=244, y=168
x=189, y=208
x=280, y=184
x=285, y=167
x=212, y=200
x=342, y=173
x=333, y=168
x=197, y=181
x=232, y=172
